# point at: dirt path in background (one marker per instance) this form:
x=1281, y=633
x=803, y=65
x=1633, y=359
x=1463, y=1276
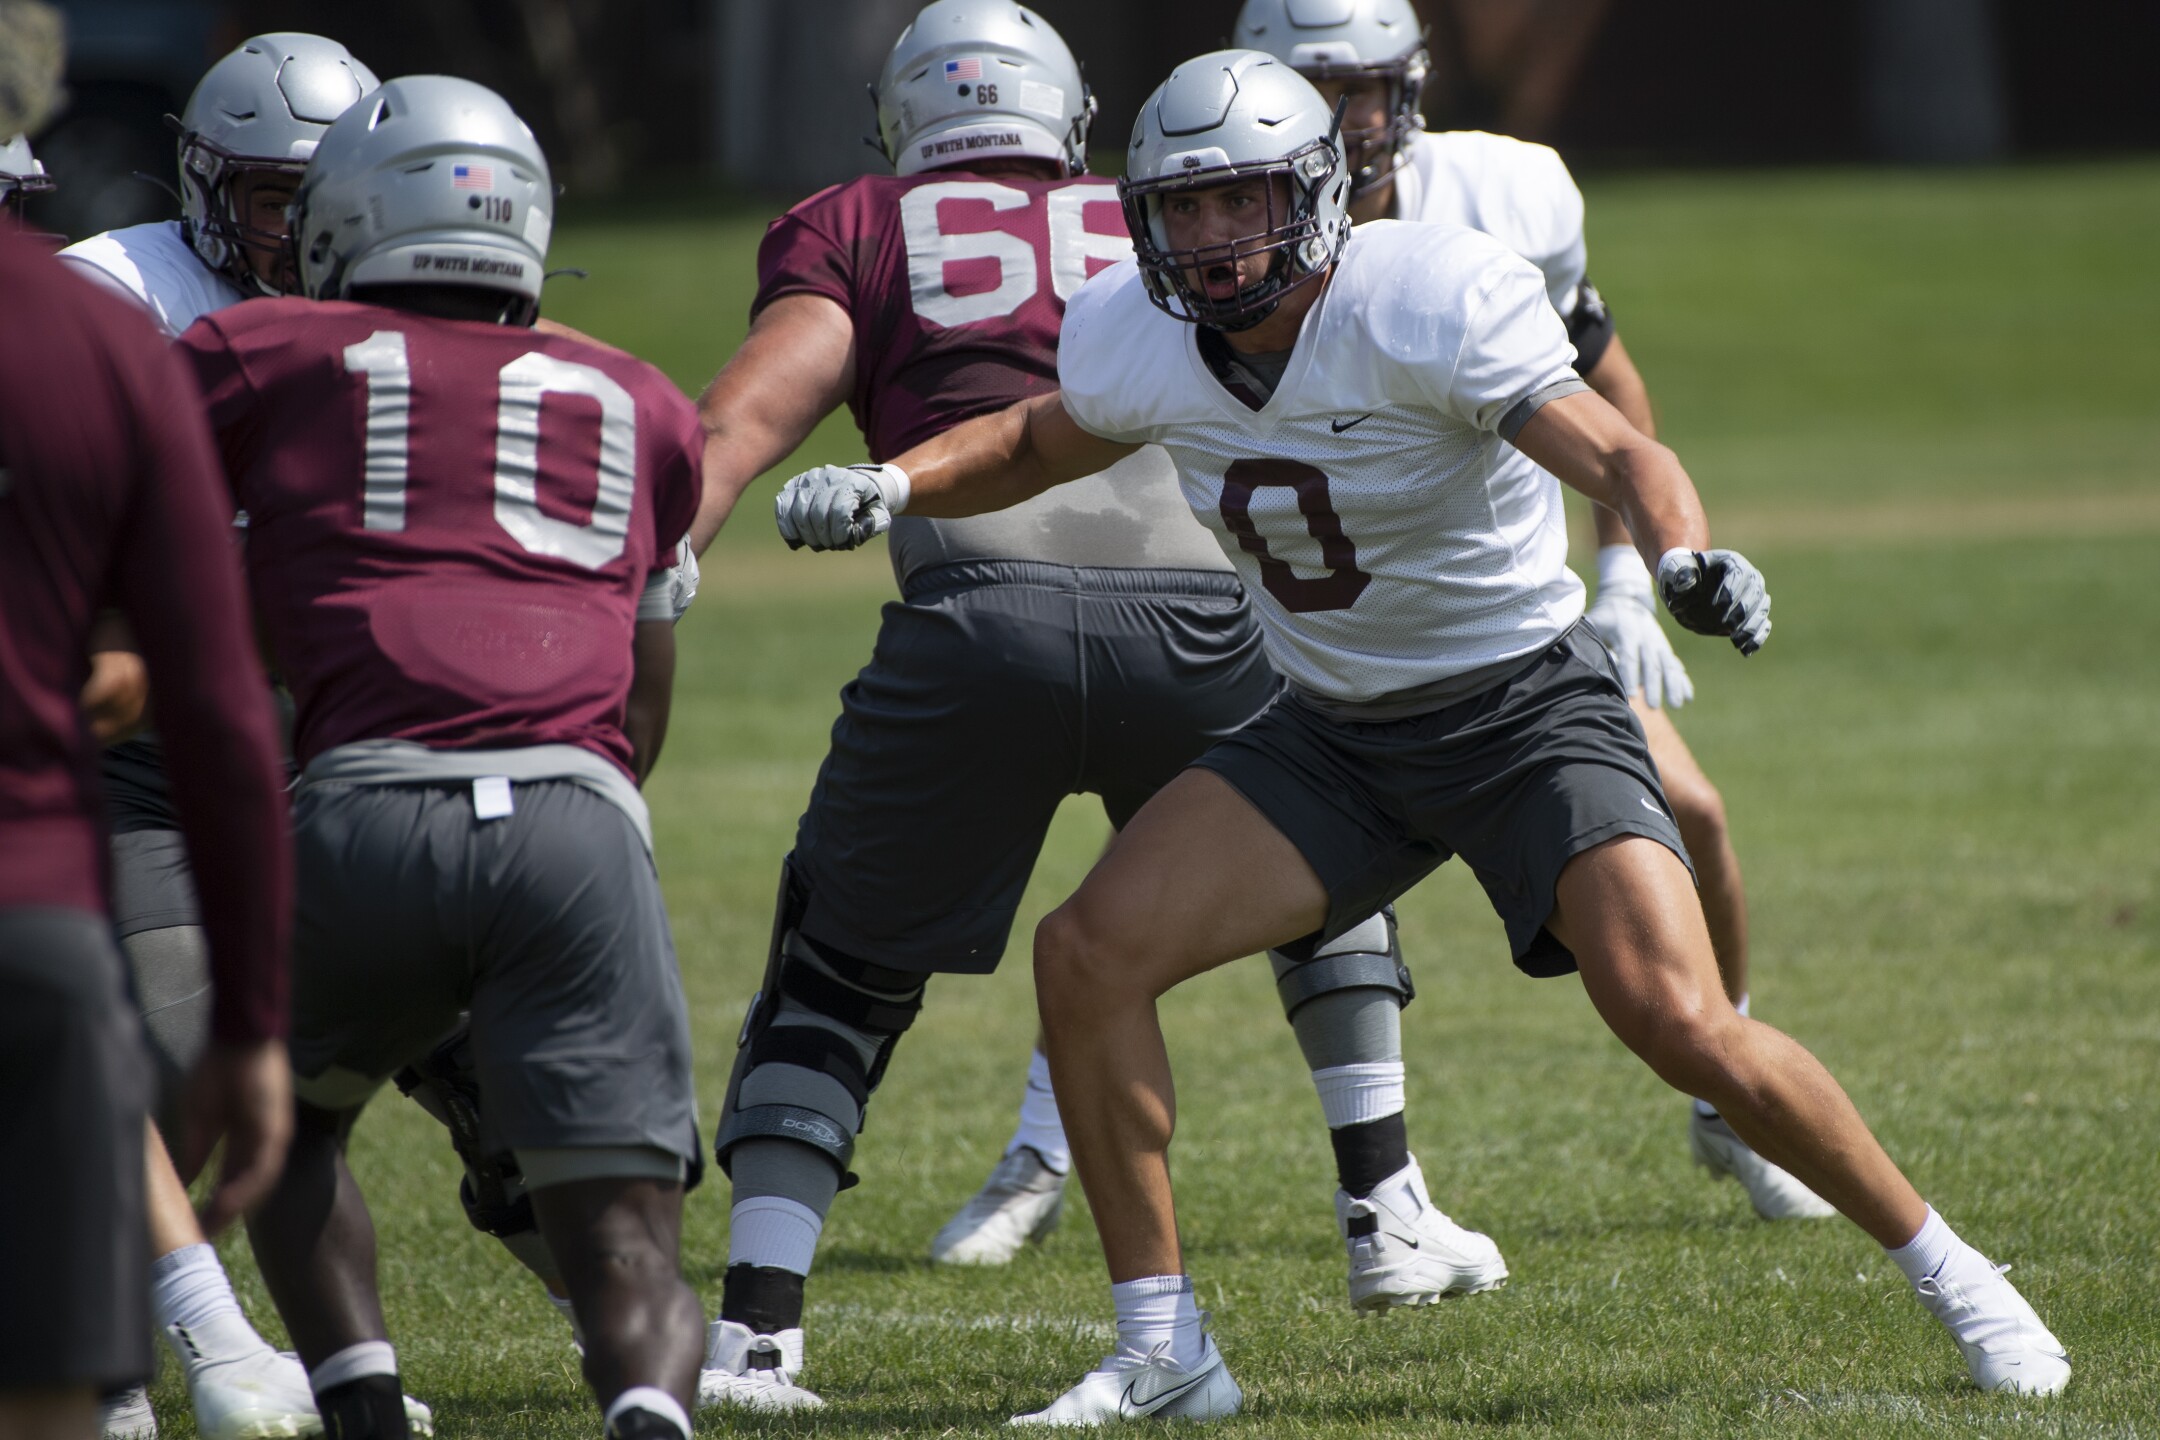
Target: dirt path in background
x=2004, y=517
x=743, y=571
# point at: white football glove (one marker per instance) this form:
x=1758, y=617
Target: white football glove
x=1625, y=614
x=668, y=592
x=838, y=507
x=1716, y=592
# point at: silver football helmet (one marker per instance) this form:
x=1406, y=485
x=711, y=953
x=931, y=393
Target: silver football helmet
x=261, y=109
x=21, y=173
x=1351, y=40
x=429, y=180
x=1225, y=117
x=979, y=80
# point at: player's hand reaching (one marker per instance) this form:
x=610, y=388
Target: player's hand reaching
x=838, y=507
x=242, y=1094
x=1625, y=614
x=1716, y=592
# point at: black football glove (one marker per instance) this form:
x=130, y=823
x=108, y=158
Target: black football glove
x=1716, y=592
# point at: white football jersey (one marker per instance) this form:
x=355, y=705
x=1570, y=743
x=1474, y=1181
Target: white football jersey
x=1519, y=193
x=156, y=266
x=1390, y=539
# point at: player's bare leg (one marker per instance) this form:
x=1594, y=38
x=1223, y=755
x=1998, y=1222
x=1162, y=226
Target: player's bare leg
x=315, y=1242
x=1627, y=910
x=615, y=1241
x=1197, y=879
x=1699, y=810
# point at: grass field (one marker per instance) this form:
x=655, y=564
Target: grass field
x=1925, y=404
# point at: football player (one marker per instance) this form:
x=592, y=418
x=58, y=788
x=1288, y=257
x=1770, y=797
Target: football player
x=109, y=495
x=1371, y=422
x=1093, y=641
x=457, y=526
x=1373, y=52
x=244, y=138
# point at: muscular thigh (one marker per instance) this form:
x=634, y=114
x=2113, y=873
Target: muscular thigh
x=1197, y=878
x=953, y=748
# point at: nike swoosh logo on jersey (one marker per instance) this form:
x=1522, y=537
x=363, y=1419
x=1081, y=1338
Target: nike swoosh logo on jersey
x=1338, y=426
x=1156, y=1398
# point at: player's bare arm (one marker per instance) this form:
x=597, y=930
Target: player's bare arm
x=794, y=368
x=990, y=463
x=1000, y=460
x=1588, y=444
x=652, y=693
x=1591, y=446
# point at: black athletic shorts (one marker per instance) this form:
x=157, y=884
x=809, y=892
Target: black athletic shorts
x=74, y=1241
x=546, y=925
x=1518, y=780
x=997, y=689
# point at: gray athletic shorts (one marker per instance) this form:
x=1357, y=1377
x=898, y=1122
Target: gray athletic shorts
x=997, y=689
x=547, y=925
x=160, y=930
x=1518, y=780
x=74, y=1242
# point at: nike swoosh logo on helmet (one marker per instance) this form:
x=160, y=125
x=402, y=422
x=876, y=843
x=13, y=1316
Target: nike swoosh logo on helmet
x=1338, y=426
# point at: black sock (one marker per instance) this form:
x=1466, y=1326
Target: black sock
x=1367, y=1154
x=763, y=1297
x=369, y=1408
x=637, y=1424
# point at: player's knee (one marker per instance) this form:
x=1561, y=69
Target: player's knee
x=1076, y=958
x=814, y=1048
x=1694, y=1047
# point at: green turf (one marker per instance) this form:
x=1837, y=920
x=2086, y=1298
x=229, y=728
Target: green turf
x=1944, y=775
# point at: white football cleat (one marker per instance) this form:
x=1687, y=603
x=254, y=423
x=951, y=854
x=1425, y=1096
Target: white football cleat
x=2004, y=1344
x=241, y=1389
x=1775, y=1194
x=748, y=1371
x=1020, y=1202
x=1404, y=1251
x=1133, y=1386
x=126, y=1415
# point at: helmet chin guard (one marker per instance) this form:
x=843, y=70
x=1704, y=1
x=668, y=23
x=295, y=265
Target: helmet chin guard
x=1224, y=118
x=1351, y=40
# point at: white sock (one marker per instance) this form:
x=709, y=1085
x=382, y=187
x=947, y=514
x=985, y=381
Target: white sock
x=1703, y=1107
x=1040, y=1129
x=1158, y=1310
x=189, y=1287
x=653, y=1401
x=354, y=1362
x=1360, y=1094
x=775, y=1231
x=1927, y=1252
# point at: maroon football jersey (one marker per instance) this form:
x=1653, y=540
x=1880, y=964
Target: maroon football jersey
x=449, y=522
x=109, y=494
x=956, y=284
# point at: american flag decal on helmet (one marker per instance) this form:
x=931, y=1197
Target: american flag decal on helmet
x=968, y=69
x=472, y=177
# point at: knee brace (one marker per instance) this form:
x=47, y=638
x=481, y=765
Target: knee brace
x=814, y=1043
x=493, y=1189
x=1367, y=957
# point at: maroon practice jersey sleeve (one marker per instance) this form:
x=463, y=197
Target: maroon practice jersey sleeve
x=449, y=522
x=956, y=285
x=109, y=492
